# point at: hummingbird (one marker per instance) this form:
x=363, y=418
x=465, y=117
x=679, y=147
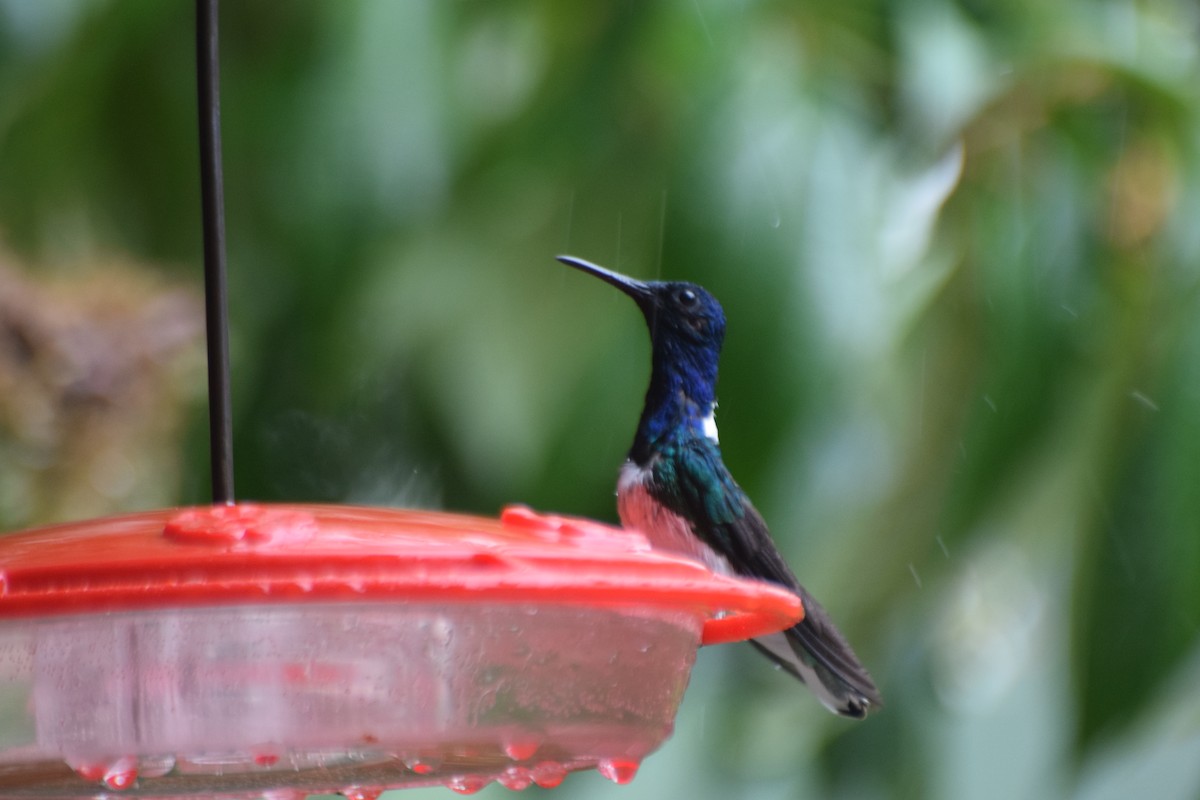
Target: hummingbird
x=675, y=488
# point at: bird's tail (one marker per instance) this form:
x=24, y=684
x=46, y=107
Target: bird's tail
x=815, y=652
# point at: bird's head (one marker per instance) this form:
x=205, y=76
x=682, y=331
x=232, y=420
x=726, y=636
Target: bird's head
x=687, y=327
x=680, y=315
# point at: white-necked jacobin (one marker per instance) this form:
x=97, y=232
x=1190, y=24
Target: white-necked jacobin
x=676, y=490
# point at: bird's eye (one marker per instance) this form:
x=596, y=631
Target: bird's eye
x=687, y=298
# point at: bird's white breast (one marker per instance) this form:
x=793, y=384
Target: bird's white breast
x=666, y=530
x=709, y=424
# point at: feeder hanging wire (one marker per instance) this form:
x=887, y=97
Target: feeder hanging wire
x=212, y=191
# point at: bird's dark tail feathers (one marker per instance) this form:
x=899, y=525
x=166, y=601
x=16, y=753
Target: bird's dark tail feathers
x=815, y=652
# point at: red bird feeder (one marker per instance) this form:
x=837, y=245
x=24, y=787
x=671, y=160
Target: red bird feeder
x=237, y=650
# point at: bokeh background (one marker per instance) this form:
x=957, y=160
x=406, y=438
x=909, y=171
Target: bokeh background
x=958, y=244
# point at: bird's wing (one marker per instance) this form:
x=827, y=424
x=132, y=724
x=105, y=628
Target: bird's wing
x=723, y=517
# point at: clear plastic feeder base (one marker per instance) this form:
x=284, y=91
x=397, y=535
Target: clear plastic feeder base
x=442, y=650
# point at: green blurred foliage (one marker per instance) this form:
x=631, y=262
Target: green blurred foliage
x=957, y=247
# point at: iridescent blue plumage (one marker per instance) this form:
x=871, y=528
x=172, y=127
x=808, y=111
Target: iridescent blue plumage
x=675, y=488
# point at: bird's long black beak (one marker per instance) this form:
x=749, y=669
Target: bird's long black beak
x=640, y=291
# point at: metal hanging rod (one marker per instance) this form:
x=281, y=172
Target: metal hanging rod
x=212, y=191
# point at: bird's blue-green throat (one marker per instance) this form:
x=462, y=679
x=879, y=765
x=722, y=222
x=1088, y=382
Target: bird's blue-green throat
x=675, y=488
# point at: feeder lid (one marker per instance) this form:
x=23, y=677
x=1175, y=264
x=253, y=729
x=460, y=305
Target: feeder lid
x=259, y=553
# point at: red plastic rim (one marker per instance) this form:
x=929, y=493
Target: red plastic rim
x=251, y=553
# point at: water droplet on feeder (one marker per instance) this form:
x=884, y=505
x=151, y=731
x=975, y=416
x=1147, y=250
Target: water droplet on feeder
x=266, y=756
x=122, y=774
x=515, y=778
x=618, y=770
x=548, y=774
x=521, y=749
x=466, y=784
x=90, y=770
x=361, y=793
x=422, y=765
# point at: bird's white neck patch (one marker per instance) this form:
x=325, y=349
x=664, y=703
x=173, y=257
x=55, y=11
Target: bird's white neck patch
x=709, y=423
